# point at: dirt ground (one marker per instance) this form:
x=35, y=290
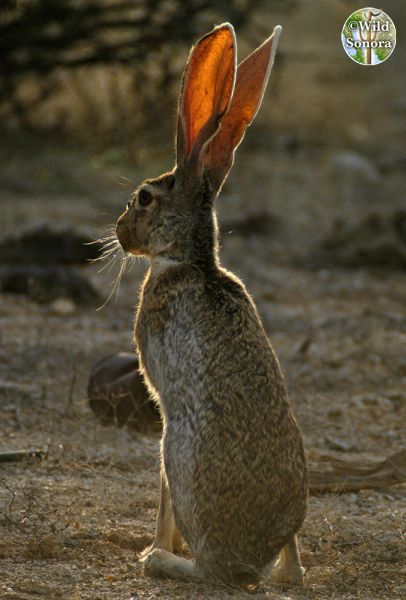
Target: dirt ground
x=72, y=525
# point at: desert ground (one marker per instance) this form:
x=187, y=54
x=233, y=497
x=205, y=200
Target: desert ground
x=73, y=523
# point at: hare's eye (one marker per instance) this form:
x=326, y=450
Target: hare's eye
x=144, y=197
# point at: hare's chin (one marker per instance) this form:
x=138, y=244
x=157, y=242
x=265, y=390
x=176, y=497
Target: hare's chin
x=127, y=249
x=135, y=252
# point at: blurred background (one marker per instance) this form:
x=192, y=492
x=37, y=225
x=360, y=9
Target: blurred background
x=313, y=219
x=88, y=96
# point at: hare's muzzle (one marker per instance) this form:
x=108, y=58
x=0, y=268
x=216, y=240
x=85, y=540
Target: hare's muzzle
x=123, y=232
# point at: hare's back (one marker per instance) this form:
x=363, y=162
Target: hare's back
x=233, y=452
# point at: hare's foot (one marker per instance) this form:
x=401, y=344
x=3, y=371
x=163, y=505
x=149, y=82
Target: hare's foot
x=168, y=543
x=167, y=536
x=288, y=569
x=161, y=562
x=283, y=576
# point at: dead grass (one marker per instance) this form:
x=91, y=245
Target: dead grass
x=71, y=525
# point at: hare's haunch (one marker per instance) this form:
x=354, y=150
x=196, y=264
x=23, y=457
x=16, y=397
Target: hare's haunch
x=233, y=480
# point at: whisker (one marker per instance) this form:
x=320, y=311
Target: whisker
x=124, y=182
x=117, y=281
x=132, y=260
x=110, y=252
x=120, y=274
x=108, y=265
x=103, y=257
x=111, y=234
x=107, y=251
x=109, y=247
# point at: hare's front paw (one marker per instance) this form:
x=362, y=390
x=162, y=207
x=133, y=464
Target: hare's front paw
x=144, y=553
x=283, y=575
x=151, y=560
x=161, y=562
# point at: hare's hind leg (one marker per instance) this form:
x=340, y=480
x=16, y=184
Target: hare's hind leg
x=167, y=536
x=288, y=568
x=161, y=562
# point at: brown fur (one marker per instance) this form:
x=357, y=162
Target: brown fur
x=234, y=481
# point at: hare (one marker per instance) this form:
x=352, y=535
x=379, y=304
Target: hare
x=233, y=478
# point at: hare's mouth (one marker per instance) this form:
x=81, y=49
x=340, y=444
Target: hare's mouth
x=125, y=246
x=123, y=237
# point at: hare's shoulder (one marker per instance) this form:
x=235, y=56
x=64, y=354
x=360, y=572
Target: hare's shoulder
x=227, y=288
x=199, y=287
x=189, y=300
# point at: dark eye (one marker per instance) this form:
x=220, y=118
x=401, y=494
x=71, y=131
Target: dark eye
x=144, y=197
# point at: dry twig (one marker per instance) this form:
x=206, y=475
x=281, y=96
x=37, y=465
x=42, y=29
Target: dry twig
x=348, y=476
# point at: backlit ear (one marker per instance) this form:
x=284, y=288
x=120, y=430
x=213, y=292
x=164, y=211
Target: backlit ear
x=207, y=87
x=252, y=77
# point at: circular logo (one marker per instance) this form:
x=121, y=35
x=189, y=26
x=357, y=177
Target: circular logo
x=369, y=36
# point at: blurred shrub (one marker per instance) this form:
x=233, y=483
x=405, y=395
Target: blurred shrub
x=104, y=68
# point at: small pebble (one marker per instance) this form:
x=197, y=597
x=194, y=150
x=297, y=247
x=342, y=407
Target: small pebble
x=63, y=307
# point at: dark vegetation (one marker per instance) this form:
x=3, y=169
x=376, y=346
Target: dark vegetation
x=41, y=36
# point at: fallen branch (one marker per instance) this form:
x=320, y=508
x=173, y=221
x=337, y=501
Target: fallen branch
x=342, y=475
x=19, y=455
x=350, y=476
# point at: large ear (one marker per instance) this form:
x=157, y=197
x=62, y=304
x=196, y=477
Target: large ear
x=207, y=88
x=252, y=77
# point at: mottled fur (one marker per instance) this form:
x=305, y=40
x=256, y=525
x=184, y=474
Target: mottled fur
x=234, y=480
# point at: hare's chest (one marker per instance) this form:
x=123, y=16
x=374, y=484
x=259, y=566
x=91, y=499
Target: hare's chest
x=151, y=348
x=170, y=355
x=154, y=359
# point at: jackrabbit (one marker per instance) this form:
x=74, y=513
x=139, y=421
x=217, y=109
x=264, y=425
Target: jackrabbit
x=233, y=479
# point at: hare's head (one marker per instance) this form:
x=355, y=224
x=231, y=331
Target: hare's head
x=173, y=214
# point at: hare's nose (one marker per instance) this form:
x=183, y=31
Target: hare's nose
x=123, y=234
